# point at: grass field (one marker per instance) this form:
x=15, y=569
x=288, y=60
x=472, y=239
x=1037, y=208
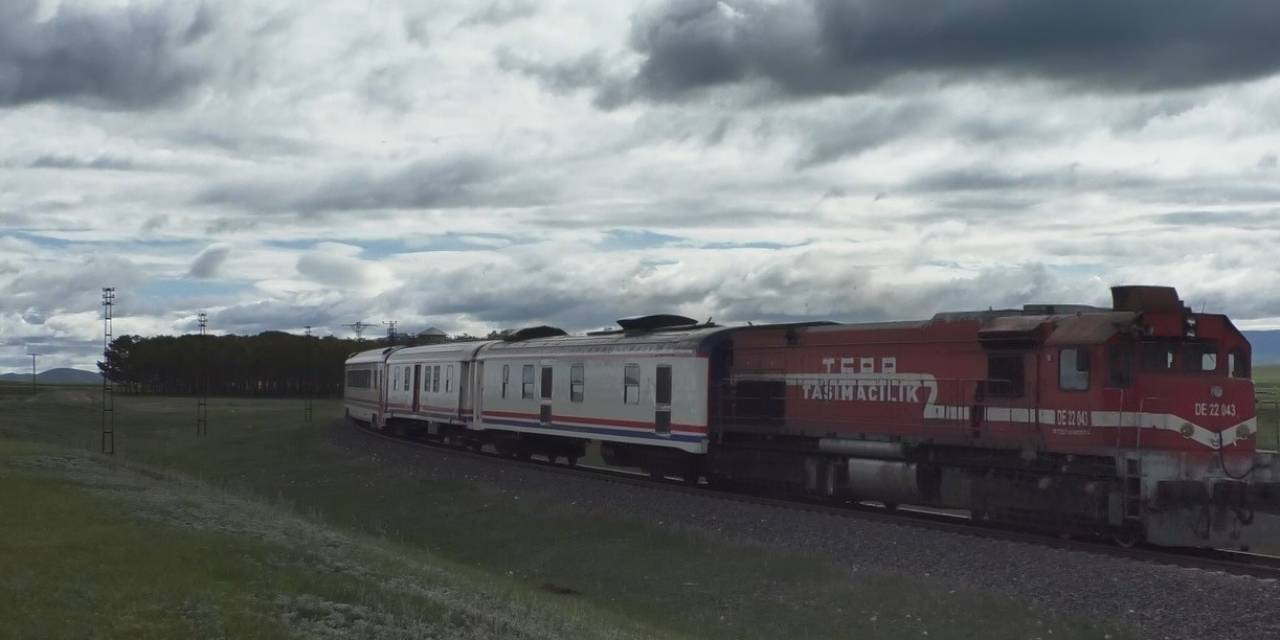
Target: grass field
x=135, y=540
x=1266, y=384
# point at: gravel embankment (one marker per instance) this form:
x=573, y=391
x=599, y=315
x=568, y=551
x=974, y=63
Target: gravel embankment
x=1161, y=601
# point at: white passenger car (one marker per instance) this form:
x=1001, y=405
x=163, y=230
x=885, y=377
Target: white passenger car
x=432, y=384
x=362, y=391
x=642, y=391
x=646, y=388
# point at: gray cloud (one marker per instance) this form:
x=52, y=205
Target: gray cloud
x=209, y=262
x=333, y=270
x=825, y=47
x=103, y=162
x=128, y=57
x=500, y=12
x=864, y=127
x=452, y=181
x=561, y=77
x=1240, y=219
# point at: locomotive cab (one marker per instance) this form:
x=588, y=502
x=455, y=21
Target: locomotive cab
x=1179, y=393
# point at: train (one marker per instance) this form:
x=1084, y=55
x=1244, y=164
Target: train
x=1135, y=422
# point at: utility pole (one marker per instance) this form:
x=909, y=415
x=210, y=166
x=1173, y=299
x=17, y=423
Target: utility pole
x=310, y=380
x=202, y=379
x=108, y=392
x=391, y=331
x=33, y=372
x=358, y=326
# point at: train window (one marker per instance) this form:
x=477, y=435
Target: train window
x=631, y=384
x=506, y=377
x=1200, y=357
x=662, y=390
x=435, y=382
x=1005, y=375
x=1157, y=356
x=1073, y=369
x=546, y=383
x=395, y=379
x=1238, y=364
x=376, y=380
x=1118, y=366
x=526, y=382
x=358, y=379
x=408, y=381
x=426, y=379
x=448, y=379
x=577, y=382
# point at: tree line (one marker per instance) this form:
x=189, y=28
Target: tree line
x=272, y=363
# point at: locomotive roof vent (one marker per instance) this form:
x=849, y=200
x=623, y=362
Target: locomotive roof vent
x=540, y=331
x=1059, y=309
x=1139, y=298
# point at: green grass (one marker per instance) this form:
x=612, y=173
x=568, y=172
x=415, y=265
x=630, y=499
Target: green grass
x=622, y=571
x=93, y=548
x=1266, y=384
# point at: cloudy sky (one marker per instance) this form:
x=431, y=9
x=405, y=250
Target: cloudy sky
x=489, y=164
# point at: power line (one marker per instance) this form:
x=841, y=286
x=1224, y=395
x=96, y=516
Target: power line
x=108, y=392
x=310, y=380
x=202, y=379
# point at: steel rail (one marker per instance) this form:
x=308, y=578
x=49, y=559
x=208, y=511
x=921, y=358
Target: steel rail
x=1241, y=563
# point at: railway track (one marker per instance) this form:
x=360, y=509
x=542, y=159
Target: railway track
x=1226, y=561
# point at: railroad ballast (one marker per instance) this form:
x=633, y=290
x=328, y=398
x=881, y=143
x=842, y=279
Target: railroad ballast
x=1136, y=422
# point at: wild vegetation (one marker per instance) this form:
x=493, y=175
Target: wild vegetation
x=276, y=528
x=272, y=363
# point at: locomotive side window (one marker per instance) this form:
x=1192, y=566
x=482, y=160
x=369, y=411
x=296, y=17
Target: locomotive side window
x=1118, y=366
x=506, y=377
x=1005, y=376
x=407, y=381
x=395, y=379
x=1200, y=357
x=435, y=384
x=1073, y=369
x=426, y=379
x=631, y=384
x=448, y=379
x=577, y=382
x=1157, y=356
x=526, y=382
x=1238, y=364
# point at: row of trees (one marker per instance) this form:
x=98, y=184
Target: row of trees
x=272, y=363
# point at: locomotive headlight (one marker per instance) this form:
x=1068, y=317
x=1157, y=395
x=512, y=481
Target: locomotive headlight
x=1215, y=391
x=1243, y=432
x=1187, y=430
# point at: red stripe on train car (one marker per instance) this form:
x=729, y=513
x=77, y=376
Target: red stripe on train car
x=627, y=424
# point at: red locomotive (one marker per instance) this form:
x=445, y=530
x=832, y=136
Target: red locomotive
x=1136, y=422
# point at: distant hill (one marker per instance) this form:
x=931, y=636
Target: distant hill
x=61, y=375
x=1266, y=346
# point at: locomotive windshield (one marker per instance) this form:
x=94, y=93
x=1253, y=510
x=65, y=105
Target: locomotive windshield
x=1201, y=356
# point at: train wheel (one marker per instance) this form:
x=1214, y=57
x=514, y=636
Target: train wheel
x=1126, y=538
x=573, y=461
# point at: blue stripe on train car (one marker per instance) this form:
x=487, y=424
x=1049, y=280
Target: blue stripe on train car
x=630, y=433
